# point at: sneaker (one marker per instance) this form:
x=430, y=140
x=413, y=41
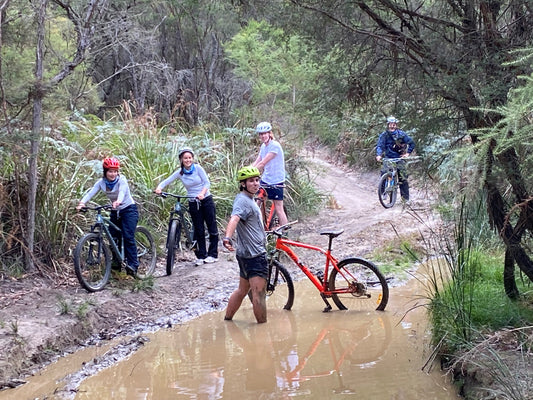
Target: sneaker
x=116, y=265
x=210, y=260
x=131, y=271
x=200, y=261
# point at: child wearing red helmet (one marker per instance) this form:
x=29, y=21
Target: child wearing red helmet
x=124, y=214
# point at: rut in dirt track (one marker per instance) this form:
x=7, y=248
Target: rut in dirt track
x=353, y=205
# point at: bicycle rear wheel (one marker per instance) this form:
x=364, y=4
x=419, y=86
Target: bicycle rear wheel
x=365, y=286
x=387, y=190
x=92, y=262
x=173, y=244
x=146, y=252
x=280, y=288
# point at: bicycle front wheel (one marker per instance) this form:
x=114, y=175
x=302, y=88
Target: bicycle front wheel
x=361, y=286
x=387, y=190
x=92, y=262
x=280, y=288
x=173, y=244
x=146, y=252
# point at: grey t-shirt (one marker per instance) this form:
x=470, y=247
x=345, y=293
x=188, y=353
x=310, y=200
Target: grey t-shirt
x=251, y=238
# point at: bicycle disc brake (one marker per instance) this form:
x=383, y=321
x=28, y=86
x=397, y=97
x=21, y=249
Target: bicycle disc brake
x=358, y=289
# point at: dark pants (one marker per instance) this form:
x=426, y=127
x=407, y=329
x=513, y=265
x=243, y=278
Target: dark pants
x=205, y=212
x=126, y=220
x=402, y=177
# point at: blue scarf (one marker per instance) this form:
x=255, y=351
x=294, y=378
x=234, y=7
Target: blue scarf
x=188, y=171
x=110, y=184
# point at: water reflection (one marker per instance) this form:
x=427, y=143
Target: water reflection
x=302, y=353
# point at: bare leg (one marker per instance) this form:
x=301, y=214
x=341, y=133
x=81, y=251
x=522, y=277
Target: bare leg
x=258, y=286
x=236, y=298
x=280, y=211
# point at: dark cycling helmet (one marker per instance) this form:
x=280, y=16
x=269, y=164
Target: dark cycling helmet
x=111, y=163
x=392, y=120
x=247, y=172
x=263, y=127
x=185, y=150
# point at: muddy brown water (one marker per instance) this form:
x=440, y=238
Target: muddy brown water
x=304, y=353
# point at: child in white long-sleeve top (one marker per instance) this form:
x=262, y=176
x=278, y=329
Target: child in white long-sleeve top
x=197, y=184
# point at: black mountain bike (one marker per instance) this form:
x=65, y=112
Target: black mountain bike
x=93, y=257
x=390, y=181
x=178, y=223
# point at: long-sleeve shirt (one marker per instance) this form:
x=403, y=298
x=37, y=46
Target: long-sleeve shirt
x=121, y=192
x=194, y=183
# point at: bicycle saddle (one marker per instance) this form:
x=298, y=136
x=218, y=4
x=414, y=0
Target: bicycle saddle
x=332, y=234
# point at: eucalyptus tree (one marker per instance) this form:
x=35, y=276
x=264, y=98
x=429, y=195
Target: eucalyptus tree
x=458, y=50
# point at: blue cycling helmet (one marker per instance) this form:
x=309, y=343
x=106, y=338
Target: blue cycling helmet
x=263, y=127
x=392, y=120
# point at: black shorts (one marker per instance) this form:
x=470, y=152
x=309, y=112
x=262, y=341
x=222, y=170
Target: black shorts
x=274, y=192
x=251, y=267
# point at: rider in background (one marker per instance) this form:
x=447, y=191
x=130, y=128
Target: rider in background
x=272, y=162
x=395, y=143
x=124, y=214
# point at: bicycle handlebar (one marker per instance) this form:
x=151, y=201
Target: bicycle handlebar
x=410, y=158
x=177, y=196
x=107, y=207
x=280, y=229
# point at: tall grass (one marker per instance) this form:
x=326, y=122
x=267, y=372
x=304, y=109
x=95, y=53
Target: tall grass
x=467, y=295
x=70, y=164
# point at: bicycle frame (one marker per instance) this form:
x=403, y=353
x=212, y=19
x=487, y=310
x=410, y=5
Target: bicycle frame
x=261, y=199
x=178, y=213
x=283, y=244
x=392, y=165
x=102, y=227
x=392, y=168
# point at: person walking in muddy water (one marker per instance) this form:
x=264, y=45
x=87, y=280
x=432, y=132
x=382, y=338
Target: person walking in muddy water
x=271, y=161
x=395, y=143
x=250, y=246
x=195, y=180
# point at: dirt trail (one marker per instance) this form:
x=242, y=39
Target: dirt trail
x=39, y=320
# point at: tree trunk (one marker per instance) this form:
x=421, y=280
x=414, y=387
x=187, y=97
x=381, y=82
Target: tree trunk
x=509, y=283
x=35, y=136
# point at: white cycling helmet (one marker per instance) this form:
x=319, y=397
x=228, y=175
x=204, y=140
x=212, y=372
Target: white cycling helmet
x=392, y=120
x=263, y=127
x=185, y=150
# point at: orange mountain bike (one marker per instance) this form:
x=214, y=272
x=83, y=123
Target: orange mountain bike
x=353, y=283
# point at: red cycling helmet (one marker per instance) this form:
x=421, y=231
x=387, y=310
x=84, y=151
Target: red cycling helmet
x=111, y=163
